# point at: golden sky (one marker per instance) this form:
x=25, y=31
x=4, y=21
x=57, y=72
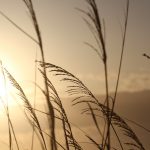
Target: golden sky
x=64, y=33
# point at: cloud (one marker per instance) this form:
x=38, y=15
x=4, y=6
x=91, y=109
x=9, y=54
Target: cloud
x=135, y=81
x=128, y=81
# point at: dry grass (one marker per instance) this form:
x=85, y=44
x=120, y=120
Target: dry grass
x=113, y=123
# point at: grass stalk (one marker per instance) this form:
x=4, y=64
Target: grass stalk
x=29, y=5
x=94, y=16
x=34, y=103
x=82, y=94
x=122, y=53
x=10, y=126
x=7, y=108
x=18, y=27
x=68, y=134
x=27, y=104
x=120, y=63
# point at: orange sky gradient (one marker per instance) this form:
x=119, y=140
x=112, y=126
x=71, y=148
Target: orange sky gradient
x=64, y=33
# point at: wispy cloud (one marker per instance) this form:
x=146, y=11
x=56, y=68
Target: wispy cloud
x=128, y=81
x=135, y=81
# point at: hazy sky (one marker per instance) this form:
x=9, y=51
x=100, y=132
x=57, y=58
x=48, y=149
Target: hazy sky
x=64, y=33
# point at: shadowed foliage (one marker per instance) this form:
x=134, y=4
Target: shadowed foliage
x=75, y=88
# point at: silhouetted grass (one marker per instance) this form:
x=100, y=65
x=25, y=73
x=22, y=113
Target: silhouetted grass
x=75, y=87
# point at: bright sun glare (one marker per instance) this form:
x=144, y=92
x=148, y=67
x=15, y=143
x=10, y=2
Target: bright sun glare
x=5, y=90
x=3, y=87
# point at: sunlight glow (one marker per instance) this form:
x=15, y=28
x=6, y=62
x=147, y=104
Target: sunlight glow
x=3, y=88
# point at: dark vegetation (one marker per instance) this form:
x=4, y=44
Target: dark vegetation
x=113, y=124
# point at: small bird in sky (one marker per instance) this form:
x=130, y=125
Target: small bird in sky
x=145, y=55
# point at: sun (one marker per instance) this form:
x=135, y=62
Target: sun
x=3, y=86
x=5, y=92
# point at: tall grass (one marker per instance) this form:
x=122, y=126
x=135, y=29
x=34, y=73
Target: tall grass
x=113, y=123
x=51, y=119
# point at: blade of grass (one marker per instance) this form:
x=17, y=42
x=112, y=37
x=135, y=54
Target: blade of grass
x=18, y=27
x=51, y=118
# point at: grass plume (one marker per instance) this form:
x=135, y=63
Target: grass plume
x=113, y=122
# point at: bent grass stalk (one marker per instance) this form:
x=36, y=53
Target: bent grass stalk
x=78, y=89
x=27, y=105
x=84, y=95
x=6, y=107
